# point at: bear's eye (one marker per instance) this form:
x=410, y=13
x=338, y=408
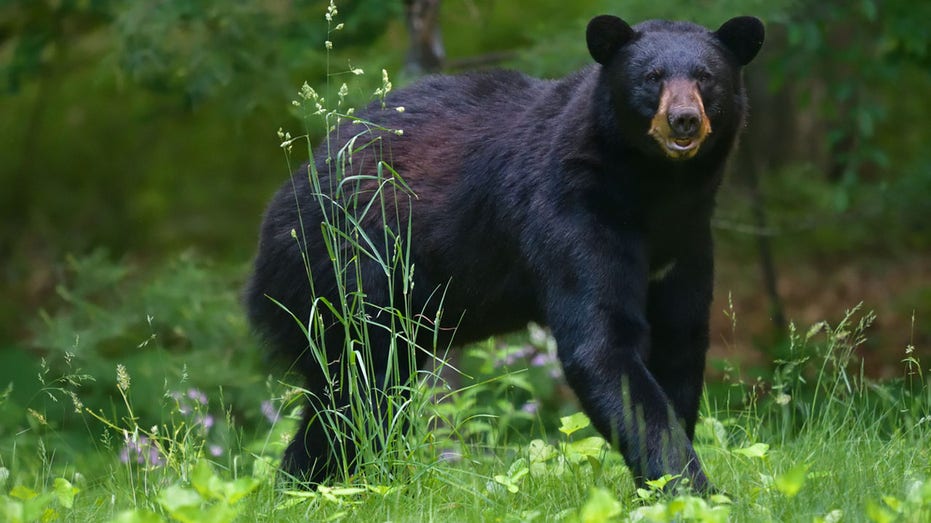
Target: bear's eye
x=654, y=76
x=703, y=76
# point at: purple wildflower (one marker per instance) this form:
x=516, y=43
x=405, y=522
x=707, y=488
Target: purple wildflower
x=197, y=396
x=215, y=450
x=141, y=450
x=514, y=355
x=541, y=359
x=530, y=407
x=205, y=420
x=268, y=410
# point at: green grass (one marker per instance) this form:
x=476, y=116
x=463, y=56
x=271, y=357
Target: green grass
x=815, y=441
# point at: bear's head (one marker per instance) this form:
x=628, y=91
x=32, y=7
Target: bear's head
x=675, y=87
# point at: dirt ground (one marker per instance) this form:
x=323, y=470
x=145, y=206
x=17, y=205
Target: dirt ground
x=897, y=290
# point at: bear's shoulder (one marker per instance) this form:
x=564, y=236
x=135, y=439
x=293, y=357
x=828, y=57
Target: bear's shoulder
x=474, y=87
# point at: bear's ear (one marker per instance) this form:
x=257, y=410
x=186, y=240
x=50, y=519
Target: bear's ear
x=605, y=35
x=743, y=36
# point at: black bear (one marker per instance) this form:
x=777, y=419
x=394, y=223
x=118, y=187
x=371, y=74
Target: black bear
x=582, y=203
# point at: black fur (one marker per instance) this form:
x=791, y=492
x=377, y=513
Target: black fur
x=547, y=201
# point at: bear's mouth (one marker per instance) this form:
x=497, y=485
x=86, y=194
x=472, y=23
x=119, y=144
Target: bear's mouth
x=677, y=148
x=682, y=144
x=681, y=147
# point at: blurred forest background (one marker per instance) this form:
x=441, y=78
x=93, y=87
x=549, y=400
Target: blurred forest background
x=139, y=147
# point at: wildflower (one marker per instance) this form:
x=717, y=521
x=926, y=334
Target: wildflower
x=513, y=356
x=530, y=407
x=215, y=450
x=141, y=450
x=197, y=396
x=268, y=410
x=205, y=421
x=541, y=359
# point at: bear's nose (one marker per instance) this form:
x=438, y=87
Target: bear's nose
x=684, y=121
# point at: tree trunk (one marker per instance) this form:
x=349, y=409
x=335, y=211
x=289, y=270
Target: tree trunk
x=762, y=149
x=426, y=53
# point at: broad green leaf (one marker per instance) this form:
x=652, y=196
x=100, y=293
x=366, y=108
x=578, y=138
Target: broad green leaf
x=790, y=482
x=601, y=506
x=878, y=513
x=688, y=507
x=49, y=515
x=201, y=477
x=573, y=423
x=65, y=492
x=175, y=498
x=645, y=494
x=218, y=513
x=541, y=451
x=23, y=493
x=650, y=513
x=587, y=447
x=501, y=479
x=191, y=514
x=893, y=502
x=240, y=488
x=11, y=510
x=660, y=483
x=37, y=508
x=757, y=450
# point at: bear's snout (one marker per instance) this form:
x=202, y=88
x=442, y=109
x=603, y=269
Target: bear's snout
x=680, y=124
x=684, y=122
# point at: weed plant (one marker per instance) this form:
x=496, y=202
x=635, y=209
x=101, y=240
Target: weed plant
x=370, y=415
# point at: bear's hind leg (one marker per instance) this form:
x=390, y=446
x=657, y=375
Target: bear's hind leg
x=315, y=454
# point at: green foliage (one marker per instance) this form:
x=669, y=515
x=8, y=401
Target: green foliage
x=818, y=440
x=209, y=498
x=855, y=73
x=159, y=338
x=23, y=504
x=372, y=397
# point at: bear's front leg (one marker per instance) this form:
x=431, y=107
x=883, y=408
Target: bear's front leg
x=596, y=302
x=678, y=307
